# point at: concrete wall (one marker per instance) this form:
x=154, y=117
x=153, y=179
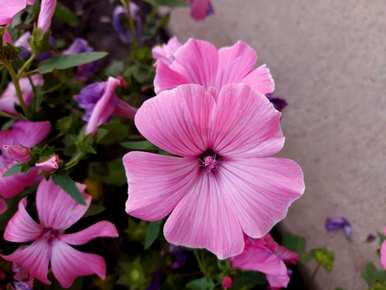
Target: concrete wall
x=329, y=60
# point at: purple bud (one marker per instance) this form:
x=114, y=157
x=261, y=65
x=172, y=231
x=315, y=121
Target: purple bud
x=339, y=223
x=124, y=32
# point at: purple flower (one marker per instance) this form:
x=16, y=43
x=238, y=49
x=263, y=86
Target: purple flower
x=339, y=223
x=278, y=102
x=88, y=98
x=180, y=256
x=124, y=31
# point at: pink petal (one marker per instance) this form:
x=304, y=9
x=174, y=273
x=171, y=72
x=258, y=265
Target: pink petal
x=156, y=183
x=67, y=264
x=21, y=227
x=278, y=281
x=33, y=258
x=383, y=255
x=25, y=133
x=100, y=229
x=3, y=206
x=104, y=107
x=177, y=120
x=235, y=63
x=197, y=61
x=7, y=37
x=199, y=9
x=261, y=191
x=56, y=208
x=204, y=219
x=260, y=79
x=245, y=124
x=166, y=78
x=9, y=9
x=124, y=110
x=47, y=11
x=165, y=53
x=10, y=186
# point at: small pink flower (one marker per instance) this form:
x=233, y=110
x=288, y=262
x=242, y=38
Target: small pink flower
x=199, y=62
x=165, y=53
x=383, y=252
x=221, y=180
x=47, y=11
x=100, y=102
x=15, y=144
x=57, y=211
x=8, y=99
x=200, y=9
x=50, y=165
x=266, y=256
x=227, y=282
x=9, y=8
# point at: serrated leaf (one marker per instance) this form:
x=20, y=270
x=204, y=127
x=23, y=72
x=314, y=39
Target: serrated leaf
x=204, y=283
x=139, y=145
x=14, y=169
x=152, y=232
x=69, y=186
x=324, y=257
x=62, y=62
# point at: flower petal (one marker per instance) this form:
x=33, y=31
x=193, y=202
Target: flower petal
x=3, y=206
x=100, y=229
x=261, y=191
x=12, y=185
x=56, y=208
x=261, y=80
x=156, y=183
x=166, y=78
x=245, y=124
x=177, y=120
x=9, y=9
x=67, y=264
x=33, y=258
x=25, y=133
x=21, y=227
x=203, y=219
x=165, y=53
x=278, y=281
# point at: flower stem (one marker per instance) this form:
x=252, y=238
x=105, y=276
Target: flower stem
x=200, y=263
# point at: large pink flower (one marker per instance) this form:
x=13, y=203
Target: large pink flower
x=9, y=99
x=383, y=252
x=200, y=9
x=9, y=8
x=57, y=211
x=15, y=144
x=165, y=53
x=200, y=62
x=224, y=184
x=266, y=256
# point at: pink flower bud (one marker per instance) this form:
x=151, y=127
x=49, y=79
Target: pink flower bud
x=16, y=153
x=47, y=11
x=50, y=165
x=227, y=282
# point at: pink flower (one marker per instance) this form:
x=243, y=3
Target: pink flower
x=199, y=62
x=50, y=165
x=57, y=211
x=47, y=11
x=200, y=9
x=100, y=102
x=383, y=252
x=227, y=282
x=266, y=256
x=9, y=99
x=15, y=144
x=221, y=181
x=9, y=8
x=165, y=53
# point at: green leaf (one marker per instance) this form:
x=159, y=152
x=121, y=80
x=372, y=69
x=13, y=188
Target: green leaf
x=61, y=62
x=372, y=275
x=324, y=257
x=170, y=3
x=65, y=15
x=248, y=279
x=204, y=283
x=139, y=145
x=14, y=169
x=94, y=209
x=152, y=233
x=69, y=186
x=294, y=243
x=112, y=174
x=112, y=133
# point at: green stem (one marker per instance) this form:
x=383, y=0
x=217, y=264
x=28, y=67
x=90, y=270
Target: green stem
x=200, y=263
x=6, y=115
x=314, y=273
x=74, y=161
x=26, y=66
x=126, y=4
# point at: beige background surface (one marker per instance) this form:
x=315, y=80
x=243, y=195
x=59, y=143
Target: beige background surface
x=329, y=60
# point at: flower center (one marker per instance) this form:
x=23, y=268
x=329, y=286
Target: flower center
x=50, y=235
x=209, y=160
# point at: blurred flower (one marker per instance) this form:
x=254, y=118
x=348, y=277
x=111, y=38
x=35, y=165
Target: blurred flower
x=9, y=9
x=383, y=252
x=199, y=62
x=47, y=11
x=200, y=9
x=9, y=99
x=124, y=31
x=50, y=165
x=278, y=102
x=80, y=45
x=339, y=223
x=180, y=256
x=266, y=256
x=155, y=283
x=225, y=142
x=165, y=53
x=23, y=43
x=15, y=144
x=100, y=102
x=227, y=282
x=57, y=211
